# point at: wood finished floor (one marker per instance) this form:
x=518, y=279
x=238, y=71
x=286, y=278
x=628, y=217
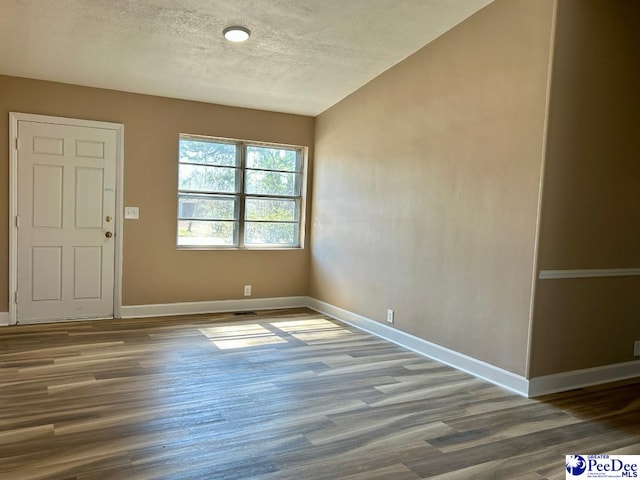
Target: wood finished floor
x=279, y=395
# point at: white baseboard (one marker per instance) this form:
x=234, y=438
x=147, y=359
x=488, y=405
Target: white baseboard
x=460, y=361
x=215, y=306
x=588, y=377
x=4, y=319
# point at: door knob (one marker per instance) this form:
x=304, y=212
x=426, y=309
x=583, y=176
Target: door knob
x=108, y=234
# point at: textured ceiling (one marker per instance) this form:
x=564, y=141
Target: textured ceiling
x=303, y=55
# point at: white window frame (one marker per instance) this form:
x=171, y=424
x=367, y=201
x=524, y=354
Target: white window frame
x=241, y=196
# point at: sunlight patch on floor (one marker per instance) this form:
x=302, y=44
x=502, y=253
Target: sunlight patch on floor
x=251, y=335
x=241, y=336
x=312, y=330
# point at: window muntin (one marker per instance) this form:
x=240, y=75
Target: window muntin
x=238, y=194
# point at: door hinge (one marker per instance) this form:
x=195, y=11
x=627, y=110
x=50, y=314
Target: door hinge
x=17, y=143
x=16, y=297
x=17, y=221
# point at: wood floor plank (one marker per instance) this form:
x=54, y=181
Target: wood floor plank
x=284, y=395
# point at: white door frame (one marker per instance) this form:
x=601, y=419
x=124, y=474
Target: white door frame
x=14, y=118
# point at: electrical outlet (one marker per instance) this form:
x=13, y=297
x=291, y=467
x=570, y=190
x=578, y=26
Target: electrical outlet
x=389, y=316
x=247, y=290
x=636, y=348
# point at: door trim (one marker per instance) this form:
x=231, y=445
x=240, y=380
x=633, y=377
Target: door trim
x=14, y=118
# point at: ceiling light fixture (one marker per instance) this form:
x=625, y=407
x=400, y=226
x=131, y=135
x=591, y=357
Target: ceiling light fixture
x=236, y=34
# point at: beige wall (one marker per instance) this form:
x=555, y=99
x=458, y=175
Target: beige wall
x=426, y=187
x=154, y=270
x=591, y=200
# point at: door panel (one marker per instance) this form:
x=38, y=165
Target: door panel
x=46, y=276
x=89, y=149
x=88, y=272
x=89, y=197
x=48, y=145
x=47, y=196
x=66, y=204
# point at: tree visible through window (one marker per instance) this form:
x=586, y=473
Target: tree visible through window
x=238, y=194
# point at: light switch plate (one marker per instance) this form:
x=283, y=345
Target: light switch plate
x=132, y=213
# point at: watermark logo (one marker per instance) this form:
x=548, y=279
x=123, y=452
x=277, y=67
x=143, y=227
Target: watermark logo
x=602, y=466
x=576, y=464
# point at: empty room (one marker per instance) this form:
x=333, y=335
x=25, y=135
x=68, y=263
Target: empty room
x=318, y=239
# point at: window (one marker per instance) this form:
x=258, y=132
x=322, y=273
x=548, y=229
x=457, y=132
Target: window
x=239, y=194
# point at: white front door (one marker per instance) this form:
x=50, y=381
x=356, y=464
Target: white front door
x=66, y=201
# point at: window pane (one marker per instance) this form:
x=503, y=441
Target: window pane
x=271, y=183
x=210, y=153
x=272, y=159
x=207, y=179
x=271, y=233
x=202, y=233
x=206, y=207
x=274, y=210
